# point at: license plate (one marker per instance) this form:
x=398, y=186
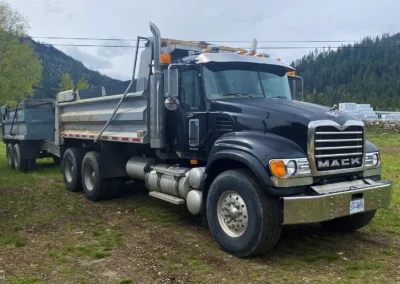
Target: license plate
x=356, y=206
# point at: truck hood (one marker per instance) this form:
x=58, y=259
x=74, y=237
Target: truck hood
x=282, y=117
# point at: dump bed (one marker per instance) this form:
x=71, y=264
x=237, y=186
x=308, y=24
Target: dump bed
x=85, y=116
x=32, y=120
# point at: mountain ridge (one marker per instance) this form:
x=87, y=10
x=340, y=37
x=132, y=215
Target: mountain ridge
x=55, y=63
x=366, y=72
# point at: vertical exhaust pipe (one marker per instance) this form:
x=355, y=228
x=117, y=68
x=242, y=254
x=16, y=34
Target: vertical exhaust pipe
x=156, y=99
x=156, y=47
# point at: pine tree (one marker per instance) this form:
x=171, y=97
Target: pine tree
x=82, y=84
x=66, y=82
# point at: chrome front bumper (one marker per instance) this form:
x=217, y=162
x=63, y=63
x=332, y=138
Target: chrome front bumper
x=333, y=201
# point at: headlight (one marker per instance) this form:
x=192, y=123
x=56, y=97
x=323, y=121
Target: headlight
x=372, y=159
x=287, y=168
x=375, y=159
x=291, y=168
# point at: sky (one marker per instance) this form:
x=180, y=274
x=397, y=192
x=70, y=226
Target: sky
x=208, y=20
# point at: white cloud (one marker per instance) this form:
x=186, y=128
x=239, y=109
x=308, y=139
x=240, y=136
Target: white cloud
x=89, y=60
x=110, y=52
x=52, y=6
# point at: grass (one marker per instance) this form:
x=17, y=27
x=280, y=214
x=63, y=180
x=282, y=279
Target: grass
x=49, y=235
x=12, y=240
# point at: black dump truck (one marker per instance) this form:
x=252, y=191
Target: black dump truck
x=215, y=128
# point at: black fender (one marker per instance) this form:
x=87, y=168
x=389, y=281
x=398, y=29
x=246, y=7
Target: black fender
x=370, y=147
x=254, y=150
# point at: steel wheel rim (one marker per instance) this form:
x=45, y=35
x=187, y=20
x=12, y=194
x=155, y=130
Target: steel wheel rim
x=69, y=169
x=89, y=177
x=232, y=213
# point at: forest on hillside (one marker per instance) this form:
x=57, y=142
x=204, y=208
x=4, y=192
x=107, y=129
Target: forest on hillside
x=366, y=72
x=56, y=65
x=33, y=69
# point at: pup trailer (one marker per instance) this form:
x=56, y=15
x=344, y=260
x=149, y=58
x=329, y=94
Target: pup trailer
x=217, y=129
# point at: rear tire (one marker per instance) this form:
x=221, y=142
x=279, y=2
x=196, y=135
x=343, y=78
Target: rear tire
x=243, y=220
x=94, y=187
x=9, y=153
x=20, y=164
x=349, y=223
x=71, y=169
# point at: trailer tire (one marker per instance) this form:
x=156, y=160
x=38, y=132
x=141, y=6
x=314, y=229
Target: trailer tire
x=235, y=195
x=71, y=169
x=9, y=153
x=94, y=187
x=20, y=164
x=349, y=223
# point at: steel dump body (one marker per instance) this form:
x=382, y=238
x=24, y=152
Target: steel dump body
x=34, y=120
x=85, y=118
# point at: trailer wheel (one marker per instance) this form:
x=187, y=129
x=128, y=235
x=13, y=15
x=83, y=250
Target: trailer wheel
x=20, y=164
x=95, y=187
x=243, y=219
x=349, y=223
x=71, y=169
x=9, y=153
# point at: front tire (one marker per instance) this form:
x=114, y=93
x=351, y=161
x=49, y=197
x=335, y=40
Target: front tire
x=349, y=223
x=9, y=153
x=243, y=220
x=71, y=169
x=95, y=187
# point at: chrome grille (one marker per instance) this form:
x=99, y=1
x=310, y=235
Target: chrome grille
x=332, y=145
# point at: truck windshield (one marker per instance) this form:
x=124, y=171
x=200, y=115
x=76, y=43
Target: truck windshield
x=240, y=82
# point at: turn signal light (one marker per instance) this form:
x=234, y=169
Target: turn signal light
x=291, y=73
x=278, y=168
x=165, y=59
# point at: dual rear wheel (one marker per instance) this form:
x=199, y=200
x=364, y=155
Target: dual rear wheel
x=82, y=171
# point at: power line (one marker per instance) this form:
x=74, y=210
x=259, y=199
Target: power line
x=220, y=41
x=260, y=47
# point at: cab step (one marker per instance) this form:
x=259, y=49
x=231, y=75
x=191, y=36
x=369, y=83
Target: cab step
x=168, y=198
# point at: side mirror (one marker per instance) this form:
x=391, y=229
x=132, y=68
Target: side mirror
x=171, y=104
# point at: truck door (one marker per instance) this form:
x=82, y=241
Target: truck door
x=188, y=126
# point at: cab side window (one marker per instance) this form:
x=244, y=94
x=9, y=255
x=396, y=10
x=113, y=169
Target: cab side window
x=190, y=89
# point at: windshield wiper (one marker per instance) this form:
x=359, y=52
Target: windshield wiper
x=279, y=97
x=239, y=94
